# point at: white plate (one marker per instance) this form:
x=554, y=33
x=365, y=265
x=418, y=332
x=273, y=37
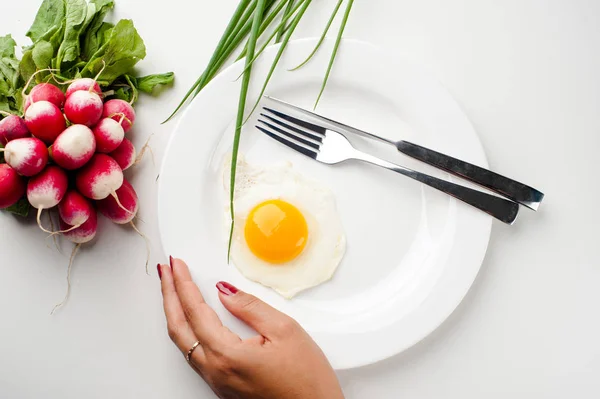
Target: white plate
x=412, y=252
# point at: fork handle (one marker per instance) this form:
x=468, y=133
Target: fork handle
x=500, y=208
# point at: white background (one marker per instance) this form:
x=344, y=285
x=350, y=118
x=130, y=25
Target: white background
x=527, y=73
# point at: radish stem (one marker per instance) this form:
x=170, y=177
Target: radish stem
x=33, y=76
x=123, y=117
x=134, y=91
x=99, y=73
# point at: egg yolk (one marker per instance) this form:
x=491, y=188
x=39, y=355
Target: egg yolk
x=276, y=231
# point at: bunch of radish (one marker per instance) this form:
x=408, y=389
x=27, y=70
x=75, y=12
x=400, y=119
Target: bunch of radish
x=68, y=152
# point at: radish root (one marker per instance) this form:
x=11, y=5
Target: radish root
x=54, y=239
x=143, y=151
x=65, y=231
x=147, y=244
x=116, y=197
x=39, y=222
x=66, y=298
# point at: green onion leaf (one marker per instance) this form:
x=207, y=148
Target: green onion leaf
x=266, y=23
x=282, y=47
x=251, y=45
x=281, y=29
x=268, y=41
x=230, y=27
x=245, y=19
x=333, y=15
x=335, y=50
x=226, y=53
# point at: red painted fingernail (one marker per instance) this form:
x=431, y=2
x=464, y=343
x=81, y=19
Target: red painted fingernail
x=226, y=288
x=171, y=261
x=159, y=271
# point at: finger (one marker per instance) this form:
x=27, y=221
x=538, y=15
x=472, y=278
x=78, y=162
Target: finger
x=178, y=327
x=202, y=318
x=266, y=320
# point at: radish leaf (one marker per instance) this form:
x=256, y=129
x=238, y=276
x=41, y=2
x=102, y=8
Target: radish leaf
x=94, y=36
x=48, y=20
x=21, y=208
x=148, y=83
x=9, y=75
x=42, y=54
x=120, y=53
x=69, y=49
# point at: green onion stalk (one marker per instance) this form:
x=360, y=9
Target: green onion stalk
x=251, y=20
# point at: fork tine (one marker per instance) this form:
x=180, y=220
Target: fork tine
x=316, y=139
x=312, y=136
x=297, y=122
x=290, y=135
x=288, y=142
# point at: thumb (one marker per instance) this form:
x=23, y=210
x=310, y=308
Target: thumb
x=265, y=319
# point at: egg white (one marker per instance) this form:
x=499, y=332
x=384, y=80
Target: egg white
x=326, y=243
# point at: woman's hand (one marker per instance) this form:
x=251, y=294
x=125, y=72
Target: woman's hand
x=283, y=362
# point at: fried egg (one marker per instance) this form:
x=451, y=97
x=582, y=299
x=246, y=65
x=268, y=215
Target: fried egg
x=287, y=232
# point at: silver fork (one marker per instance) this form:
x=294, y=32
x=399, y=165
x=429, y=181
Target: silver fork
x=508, y=188
x=331, y=147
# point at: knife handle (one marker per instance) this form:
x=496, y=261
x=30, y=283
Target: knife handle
x=511, y=189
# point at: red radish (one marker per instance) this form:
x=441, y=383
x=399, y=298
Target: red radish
x=44, y=92
x=129, y=200
x=12, y=186
x=84, y=233
x=74, y=209
x=124, y=154
x=116, y=108
x=46, y=190
x=45, y=121
x=74, y=147
x=122, y=209
x=84, y=84
x=101, y=177
x=28, y=156
x=84, y=107
x=12, y=127
x=109, y=135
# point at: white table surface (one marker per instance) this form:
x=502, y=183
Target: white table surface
x=527, y=73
